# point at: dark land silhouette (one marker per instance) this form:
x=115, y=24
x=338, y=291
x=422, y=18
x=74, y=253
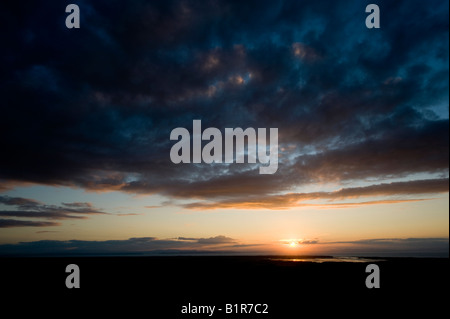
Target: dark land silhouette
x=158, y=287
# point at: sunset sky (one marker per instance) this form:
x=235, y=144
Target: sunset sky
x=362, y=117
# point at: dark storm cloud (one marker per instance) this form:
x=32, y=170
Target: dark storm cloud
x=94, y=107
x=397, y=152
x=30, y=208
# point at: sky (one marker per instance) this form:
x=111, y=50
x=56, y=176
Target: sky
x=362, y=117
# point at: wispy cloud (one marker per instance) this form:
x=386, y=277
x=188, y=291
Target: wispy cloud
x=47, y=231
x=30, y=208
x=209, y=241
x=285, y=201
x=7, y=223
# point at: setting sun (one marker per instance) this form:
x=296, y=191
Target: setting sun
x=292, y=243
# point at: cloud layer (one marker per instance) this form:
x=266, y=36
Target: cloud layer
x=141, y=245
x=29, y=208
x=94, y=107
x=289, y=200
x=436, y=247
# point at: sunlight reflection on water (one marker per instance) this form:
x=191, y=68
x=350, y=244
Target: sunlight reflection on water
x=328, y=259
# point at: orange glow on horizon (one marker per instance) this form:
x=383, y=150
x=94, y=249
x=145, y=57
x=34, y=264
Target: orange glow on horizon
x=291, y=243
